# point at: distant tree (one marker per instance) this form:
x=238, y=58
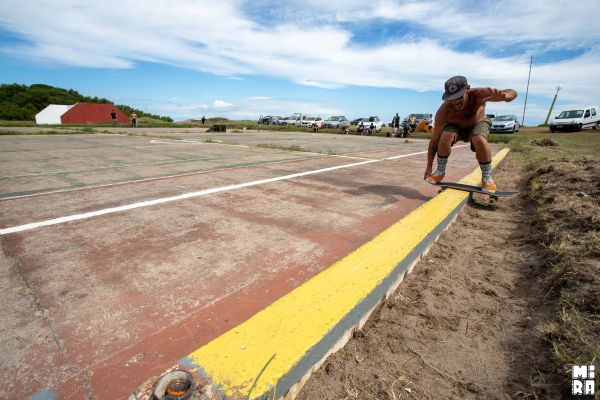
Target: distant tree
x=22, y=102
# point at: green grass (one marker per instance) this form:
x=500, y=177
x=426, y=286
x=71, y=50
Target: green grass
x=50, y=132
x=17, y=123
x=572, y=145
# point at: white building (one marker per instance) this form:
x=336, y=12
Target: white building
x=52, y=114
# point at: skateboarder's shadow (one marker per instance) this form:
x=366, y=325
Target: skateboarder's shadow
x=390, y=194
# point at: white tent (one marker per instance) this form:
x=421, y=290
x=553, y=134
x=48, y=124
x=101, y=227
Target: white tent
x=51, y=114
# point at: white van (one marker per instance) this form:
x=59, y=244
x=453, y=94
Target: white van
x=576, y=119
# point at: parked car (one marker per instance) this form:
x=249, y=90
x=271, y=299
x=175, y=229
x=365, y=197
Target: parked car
x=313, y=122
x=505, y=123
x=576, y=120
x=300, y=120
x=267, y=119
x=338, y=121
x=291, y=120
x=279, y=120
x=365, y=123
x=356, y=121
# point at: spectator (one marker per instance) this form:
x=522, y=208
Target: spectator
x=430, y=123
x=113, y=116
x=133, y=118
x=203, y=120
x=405, y=128
x=371, y=129
x=413, y=123
x=396, y=124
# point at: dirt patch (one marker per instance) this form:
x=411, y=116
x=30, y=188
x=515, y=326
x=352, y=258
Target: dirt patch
x=466, y=323
x=544, y=142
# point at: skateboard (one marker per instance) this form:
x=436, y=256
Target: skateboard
x=475, y=189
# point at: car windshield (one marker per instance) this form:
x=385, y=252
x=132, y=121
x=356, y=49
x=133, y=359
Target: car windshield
x=421, y=116
x=504, y=118
x=372, y=119
x=333, y=119
x=571, y=114
x=310, y=118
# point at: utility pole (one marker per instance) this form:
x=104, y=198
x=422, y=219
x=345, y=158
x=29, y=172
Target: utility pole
x=527, y=92
x=552, y=106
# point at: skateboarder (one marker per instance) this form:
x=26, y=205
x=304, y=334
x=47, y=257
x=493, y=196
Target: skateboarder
x=462, y=116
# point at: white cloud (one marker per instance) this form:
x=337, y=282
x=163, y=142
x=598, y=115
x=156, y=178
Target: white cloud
x=314, y=47
x=221, y=104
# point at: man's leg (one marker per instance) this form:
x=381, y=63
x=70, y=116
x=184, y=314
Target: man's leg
x=483, y=153
x=443, y=152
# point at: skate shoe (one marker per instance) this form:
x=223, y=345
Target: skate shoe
x=434, y=178
x=488, y=185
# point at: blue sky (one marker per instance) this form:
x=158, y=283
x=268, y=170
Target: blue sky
x=239, y=59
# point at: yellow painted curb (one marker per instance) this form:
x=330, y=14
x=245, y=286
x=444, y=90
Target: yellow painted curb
x=296, y=324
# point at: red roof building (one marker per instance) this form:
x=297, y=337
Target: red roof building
x=88, y=113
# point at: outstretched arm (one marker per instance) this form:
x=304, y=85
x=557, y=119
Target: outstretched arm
x=493, y=94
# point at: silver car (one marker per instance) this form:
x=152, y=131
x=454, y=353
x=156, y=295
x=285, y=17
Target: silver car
x=337, y=121
x=506, y=123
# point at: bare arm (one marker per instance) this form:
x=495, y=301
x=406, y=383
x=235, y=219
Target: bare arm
x=491, y=94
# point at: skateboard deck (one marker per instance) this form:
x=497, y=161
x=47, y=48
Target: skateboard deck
x=474, y=189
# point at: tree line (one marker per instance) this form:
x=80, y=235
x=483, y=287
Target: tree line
x=22, y=102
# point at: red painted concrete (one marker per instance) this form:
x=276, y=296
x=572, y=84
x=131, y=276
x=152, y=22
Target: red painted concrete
x=88, y=113
x=118, y=298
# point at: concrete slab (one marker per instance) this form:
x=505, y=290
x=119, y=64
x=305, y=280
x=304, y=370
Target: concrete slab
x=95, y=305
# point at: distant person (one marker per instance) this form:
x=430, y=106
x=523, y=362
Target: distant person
x=371, y=129
x=360, y=128
x=430, y=123
x=396, y=125
x=413, y=123
x=462, y=116
x=405, y=128
x=113, y=116
x=133, y=118
x=203, y=120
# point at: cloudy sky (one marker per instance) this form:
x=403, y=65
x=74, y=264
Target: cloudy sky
x=240, y=59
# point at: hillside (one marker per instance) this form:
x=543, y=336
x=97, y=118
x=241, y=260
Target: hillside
x=22, y=102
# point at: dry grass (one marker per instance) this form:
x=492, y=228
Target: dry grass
x=567, y=193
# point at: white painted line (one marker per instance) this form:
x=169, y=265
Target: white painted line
x=111, y=210
x=174, y=141
x=76, y=217
x=352, y=157
x=152, y=179
x=414, y=154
